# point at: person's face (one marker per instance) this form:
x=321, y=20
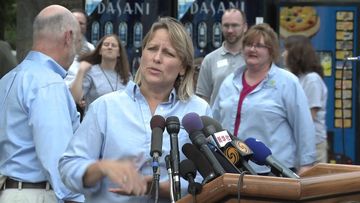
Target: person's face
x=110, y=48
x=160, y=64
x=257, y=54
x=233, y=27
x=82, y=21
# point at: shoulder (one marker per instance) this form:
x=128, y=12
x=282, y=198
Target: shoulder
x=313, y=76
x=95, y=69
x=194, y=99
x=108, y=101
x=214, y=54
x=284, y=74
x=196, y=104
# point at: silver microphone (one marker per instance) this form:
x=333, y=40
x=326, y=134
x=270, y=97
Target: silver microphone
x=168, y=166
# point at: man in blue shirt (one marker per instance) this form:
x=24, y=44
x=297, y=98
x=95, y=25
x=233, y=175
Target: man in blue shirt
x=37, y=113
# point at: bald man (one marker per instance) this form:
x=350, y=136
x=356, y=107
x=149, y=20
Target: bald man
x=37, y=113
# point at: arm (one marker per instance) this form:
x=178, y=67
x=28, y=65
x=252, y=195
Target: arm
x=52, y=129
x=314, y=111
x=76, y=86
x=204, y=84
x=121, y=172
x=303, y=127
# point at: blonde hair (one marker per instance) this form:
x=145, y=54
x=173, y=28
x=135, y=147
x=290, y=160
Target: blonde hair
x=183, y=45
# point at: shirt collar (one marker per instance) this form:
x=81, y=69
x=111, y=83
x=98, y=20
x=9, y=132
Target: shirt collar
x=133, y=90
x=225, y=51
x=47, y=61
x=268, y=80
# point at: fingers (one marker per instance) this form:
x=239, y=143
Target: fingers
x=125, y=174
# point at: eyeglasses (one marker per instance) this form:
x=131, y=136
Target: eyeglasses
x=233, y=26
x=256, y=46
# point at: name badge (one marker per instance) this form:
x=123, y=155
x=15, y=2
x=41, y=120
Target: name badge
x=222, y=63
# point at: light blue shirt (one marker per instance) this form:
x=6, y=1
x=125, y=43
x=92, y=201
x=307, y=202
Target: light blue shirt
x=37, y=119
x=215, y=67
x=99, y=81
x=276, y=112
x=117, y=126
x=317, y=94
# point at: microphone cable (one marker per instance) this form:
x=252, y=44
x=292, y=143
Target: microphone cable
x=240, y=184
x=157, y=185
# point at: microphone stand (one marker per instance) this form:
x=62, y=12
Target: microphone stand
x=156, y=176
x=173, y=128
x=168, y=166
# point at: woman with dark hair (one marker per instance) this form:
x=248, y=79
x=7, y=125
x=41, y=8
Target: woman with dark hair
x=301, y=59
x=104, y=70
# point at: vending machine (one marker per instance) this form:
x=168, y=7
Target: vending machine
x=333, y=30
x=202, y=19
x=129, y=19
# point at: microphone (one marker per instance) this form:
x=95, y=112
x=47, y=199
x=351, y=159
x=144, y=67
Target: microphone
x=188, y=172
x=157, y=124
x=201, y=163
x=263, y=156
x=235, y=150
x=353, y=58
x=193, y=126
x=173, y=128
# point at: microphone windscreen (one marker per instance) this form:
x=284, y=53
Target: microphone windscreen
x=187, y=167
x=261, y=152
x=172, y=124
x=157, y=121
x=194, y=154
x=210, y=121
x=192, y=122
x=156, y=141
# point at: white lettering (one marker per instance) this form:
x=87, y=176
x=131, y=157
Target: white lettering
x=212, y=8
x=127, y=9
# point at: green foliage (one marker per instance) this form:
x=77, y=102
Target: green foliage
x=9, y=17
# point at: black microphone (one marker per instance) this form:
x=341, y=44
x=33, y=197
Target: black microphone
x=188, y=172
x=353, y=58
x=235, y=150
x=173, y=128
x=157, y=124
x=263, y=156
x=201, y=163
x=193, y=126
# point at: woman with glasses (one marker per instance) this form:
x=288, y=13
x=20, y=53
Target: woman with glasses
x=263, y=101
x=104, y=70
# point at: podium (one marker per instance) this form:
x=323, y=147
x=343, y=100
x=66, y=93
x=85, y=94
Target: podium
x=321, y=183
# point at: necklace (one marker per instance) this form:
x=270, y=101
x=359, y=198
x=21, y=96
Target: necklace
x=107, y=78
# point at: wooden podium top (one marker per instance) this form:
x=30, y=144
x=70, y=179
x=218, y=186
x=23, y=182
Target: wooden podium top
x=322, y=180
